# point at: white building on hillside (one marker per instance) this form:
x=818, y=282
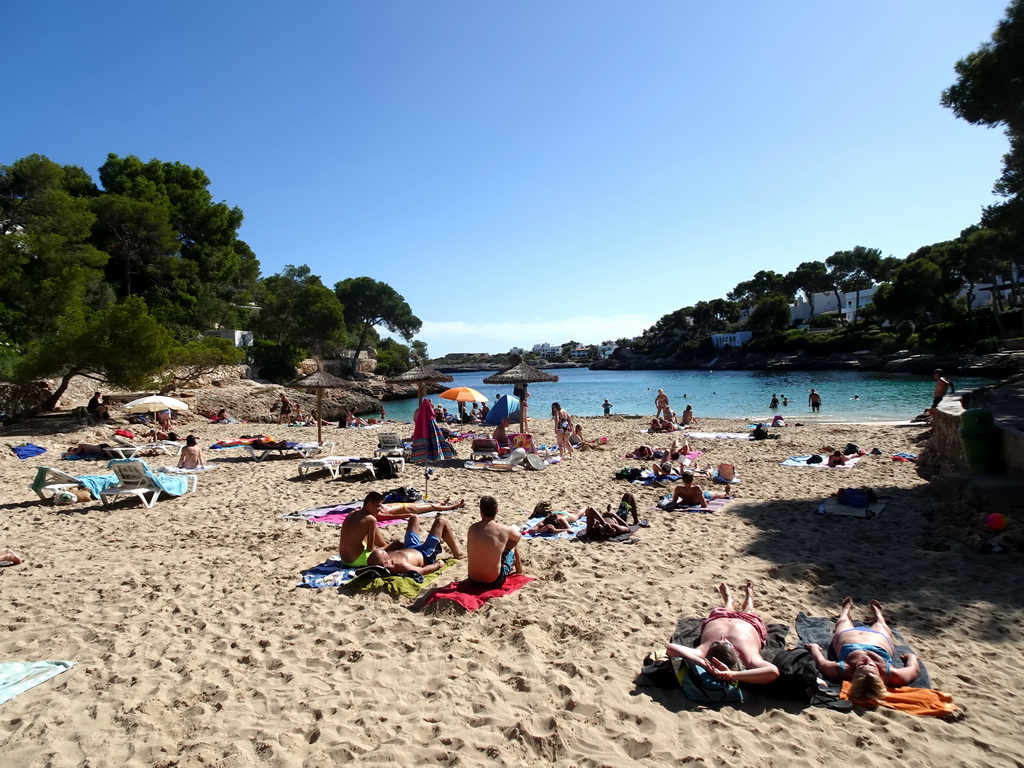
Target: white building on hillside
x=546, y=350
x=605, y=351
x=735, y=339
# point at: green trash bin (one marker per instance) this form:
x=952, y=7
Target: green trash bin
x=982, y=442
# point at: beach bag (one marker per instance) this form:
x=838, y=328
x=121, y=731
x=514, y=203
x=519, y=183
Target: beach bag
x=726, y=473
x=400, y=495
x=629, y=473
x=484, y=445
x=814, y=459
x=700, y=686
x=850, y=449
x=385, y=469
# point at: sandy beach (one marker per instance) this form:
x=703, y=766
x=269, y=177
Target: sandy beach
x=194, y=645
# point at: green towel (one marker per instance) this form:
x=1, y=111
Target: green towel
x=398, y=586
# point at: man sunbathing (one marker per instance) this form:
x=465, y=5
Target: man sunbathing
x=414, y=553
x=692, y=495
x=492, y=547
x=9, y=558
x=360, y=535
x=500, y=435
x=731, y=642
x=603, y=525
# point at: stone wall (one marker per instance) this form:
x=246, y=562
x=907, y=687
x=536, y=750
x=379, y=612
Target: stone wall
x=944, y=451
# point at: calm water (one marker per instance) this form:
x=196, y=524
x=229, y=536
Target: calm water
x=722, y=394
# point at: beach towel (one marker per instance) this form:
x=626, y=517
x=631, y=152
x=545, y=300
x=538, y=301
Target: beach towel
x=330, y=573
x=831, y=506
x=719, y=435
x=801, y=461
x=172, y=486
x=923, y=702
x=713, y=505
x=817, y=629
x=27, y=451
x=169, y=470
x=575, y=528
x=18, y=676
x=94, y=483
x=904, y=457
x=397, y=586
x=333, y=514
x=472, y=596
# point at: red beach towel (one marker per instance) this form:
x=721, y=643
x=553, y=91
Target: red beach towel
x=472, y=596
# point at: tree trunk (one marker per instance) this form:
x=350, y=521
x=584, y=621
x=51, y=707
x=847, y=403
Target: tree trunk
x=839, y=305
x=52, y=400
x=359, y=347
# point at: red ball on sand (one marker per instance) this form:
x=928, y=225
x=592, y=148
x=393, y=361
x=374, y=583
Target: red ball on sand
x=995, y=521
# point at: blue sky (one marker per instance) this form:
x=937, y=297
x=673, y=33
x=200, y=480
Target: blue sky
x=527, y=171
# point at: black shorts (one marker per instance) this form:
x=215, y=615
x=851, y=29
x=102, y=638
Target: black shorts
x=936, y=401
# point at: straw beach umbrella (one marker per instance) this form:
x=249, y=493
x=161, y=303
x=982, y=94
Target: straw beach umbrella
x=521, y=373
x=421, y=375
x=318, y=380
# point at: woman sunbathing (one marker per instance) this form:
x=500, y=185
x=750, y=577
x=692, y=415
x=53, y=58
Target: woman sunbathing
x=641, y=452
x=86, y=449
x=406, y=508
x=556, y=522
x=865, y=656
x=836, y=459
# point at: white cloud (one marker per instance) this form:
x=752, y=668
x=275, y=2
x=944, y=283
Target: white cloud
x=444, y=336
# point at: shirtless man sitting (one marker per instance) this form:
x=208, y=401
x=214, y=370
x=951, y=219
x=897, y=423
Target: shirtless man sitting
x=692, y=495
x=492, y=547
x=414, y=553
x=360, y=535
x=731, y=642
x=499, y=435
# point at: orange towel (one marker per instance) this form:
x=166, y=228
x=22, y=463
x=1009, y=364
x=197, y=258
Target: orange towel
x=923, y=702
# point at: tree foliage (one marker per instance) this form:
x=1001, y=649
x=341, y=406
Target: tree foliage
x=367, y=303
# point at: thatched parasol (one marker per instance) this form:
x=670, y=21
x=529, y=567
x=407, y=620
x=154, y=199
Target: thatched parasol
x=420, y=375
x=521, y=373
x=318, y=380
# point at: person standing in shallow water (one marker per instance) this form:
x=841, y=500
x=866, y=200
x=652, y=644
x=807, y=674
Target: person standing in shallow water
x=607, y=407
x=814, y=400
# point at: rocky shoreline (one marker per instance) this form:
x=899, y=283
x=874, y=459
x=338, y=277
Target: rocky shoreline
x=999, y=364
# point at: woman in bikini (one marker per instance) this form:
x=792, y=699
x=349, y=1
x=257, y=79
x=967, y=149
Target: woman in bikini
x=191, y=457
x=556, y=522
x=563, y=428
x=864, y=656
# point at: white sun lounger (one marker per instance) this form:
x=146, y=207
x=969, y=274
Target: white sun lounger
x=305, y=450
x=337, y=466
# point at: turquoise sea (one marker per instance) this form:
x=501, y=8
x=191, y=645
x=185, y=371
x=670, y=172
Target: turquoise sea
x=721, y=394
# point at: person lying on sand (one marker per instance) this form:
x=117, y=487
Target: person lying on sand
x=360, y=535
x=556, y=522
x=865, y=656
x=730, y=642
x=86, y=449
x=664, y=469
x=678, y=448
x=603, y=525
x=836, y=459
x=9, y=558
x=692, y=495
x=627, y=507
x=492, y=547
x=414, y=553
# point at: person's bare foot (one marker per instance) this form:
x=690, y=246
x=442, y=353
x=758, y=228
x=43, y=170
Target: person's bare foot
x=847, y=607
x=748, y=589
x=876, y=611
x=723, y=590
x=10, y=557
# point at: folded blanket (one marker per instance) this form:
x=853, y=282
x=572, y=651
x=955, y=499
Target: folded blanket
x=801, y=461
x=904, y=457
x=831, y=506
x=18, y=676
x=472, y=596
x=817, y=629
x=923, y=702
x=27, y=451
x=330, y=573
x=575, y=528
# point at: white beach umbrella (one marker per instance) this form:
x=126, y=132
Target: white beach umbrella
x=154, y=403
